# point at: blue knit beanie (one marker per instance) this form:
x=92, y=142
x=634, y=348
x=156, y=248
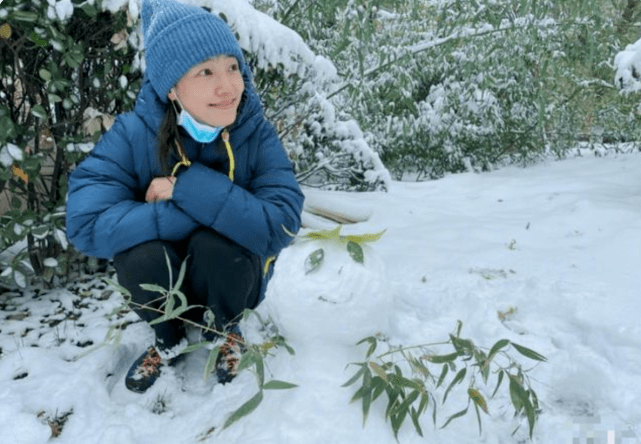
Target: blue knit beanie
x=177, y=37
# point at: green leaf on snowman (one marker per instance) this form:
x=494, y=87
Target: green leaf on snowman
x=355, y=252
x=360, y=238
x=314, y=260
x=335, y=235
x=325, y=234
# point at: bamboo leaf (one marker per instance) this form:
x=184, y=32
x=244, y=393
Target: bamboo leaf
x=535, y=399
x=462, y=346
x=244, y=409
x=211, y=361
x=529, y=353
x=485, y=371
x=379, y=386
x=181, y=274
x=443, y=374
x=454, y=416
x=260, y=369
x=496, y=347
x=418, y=366
x=372, y=345
x=433, y=410
x=478, y=399
x=289, y=233
x=530, y=413
x=358, y=395
x=194, y=347
x=362, y=237
x=355, y=252
x=119, y=288
x=169, y=267
x=457, y=379
x=378, y=370
x=393, y=394
x=177, y=312
x=498, y=384
x=278, y=385
x=441, y=359
x=314, y=260
x=425, y=399
x=355, y=377
x=170, y=303
x=325, y=234
x=367, y=396
x=517, y=393
x=289, y=349
x=402, y=381
x=153, y=287
x=407, y=402
x=414, y=414
x=248, y=359
x=397, y=421
x=159, y=320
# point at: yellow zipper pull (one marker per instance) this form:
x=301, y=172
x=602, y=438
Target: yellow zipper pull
x=184, y=161
x=230, y=154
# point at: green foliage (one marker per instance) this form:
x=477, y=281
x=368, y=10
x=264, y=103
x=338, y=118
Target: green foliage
x=323, y=141
x=62, y=79
x=353, y=244
x=441, y=87
x=411, y=377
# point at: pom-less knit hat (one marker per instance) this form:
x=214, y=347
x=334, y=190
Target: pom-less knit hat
x=177, y=37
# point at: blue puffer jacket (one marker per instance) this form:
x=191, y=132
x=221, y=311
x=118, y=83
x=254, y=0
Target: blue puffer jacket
x=107, y=213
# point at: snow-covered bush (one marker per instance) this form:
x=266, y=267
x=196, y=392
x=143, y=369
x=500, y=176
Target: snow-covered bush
x=446, y=86
x=65, y=69
x=627, y=65
x=324, y=141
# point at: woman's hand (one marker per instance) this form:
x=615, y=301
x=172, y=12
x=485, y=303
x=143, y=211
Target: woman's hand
x=161, y=188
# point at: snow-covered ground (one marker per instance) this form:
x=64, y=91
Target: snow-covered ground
x=558, y=243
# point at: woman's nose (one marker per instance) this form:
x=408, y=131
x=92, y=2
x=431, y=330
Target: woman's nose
x=224, y=86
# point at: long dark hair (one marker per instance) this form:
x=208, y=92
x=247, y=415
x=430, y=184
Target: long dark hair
x=168, y=135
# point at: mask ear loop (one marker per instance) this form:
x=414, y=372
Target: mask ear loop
x=184, y=161
x=173, y=103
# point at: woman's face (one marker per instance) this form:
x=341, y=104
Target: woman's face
x=211, y=91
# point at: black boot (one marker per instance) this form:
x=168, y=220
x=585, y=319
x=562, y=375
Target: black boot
x=144, y=371
x=229, y=356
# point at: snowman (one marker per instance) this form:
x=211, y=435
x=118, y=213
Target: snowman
x=322, y=293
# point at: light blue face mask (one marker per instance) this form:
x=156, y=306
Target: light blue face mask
x=200, y=132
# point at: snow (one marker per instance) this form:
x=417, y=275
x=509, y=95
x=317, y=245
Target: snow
x=557, y=243
x=628, y=67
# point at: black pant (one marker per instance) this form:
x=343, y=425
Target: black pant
x=220, y=274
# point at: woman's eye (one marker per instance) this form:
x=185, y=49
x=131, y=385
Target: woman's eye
x=234, y=67
x=205, y=72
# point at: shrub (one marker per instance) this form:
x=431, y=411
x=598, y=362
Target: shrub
x=65, y=70
x=449, y=86
x=409, y=379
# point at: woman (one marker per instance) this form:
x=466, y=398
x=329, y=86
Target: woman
x=194, y=173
